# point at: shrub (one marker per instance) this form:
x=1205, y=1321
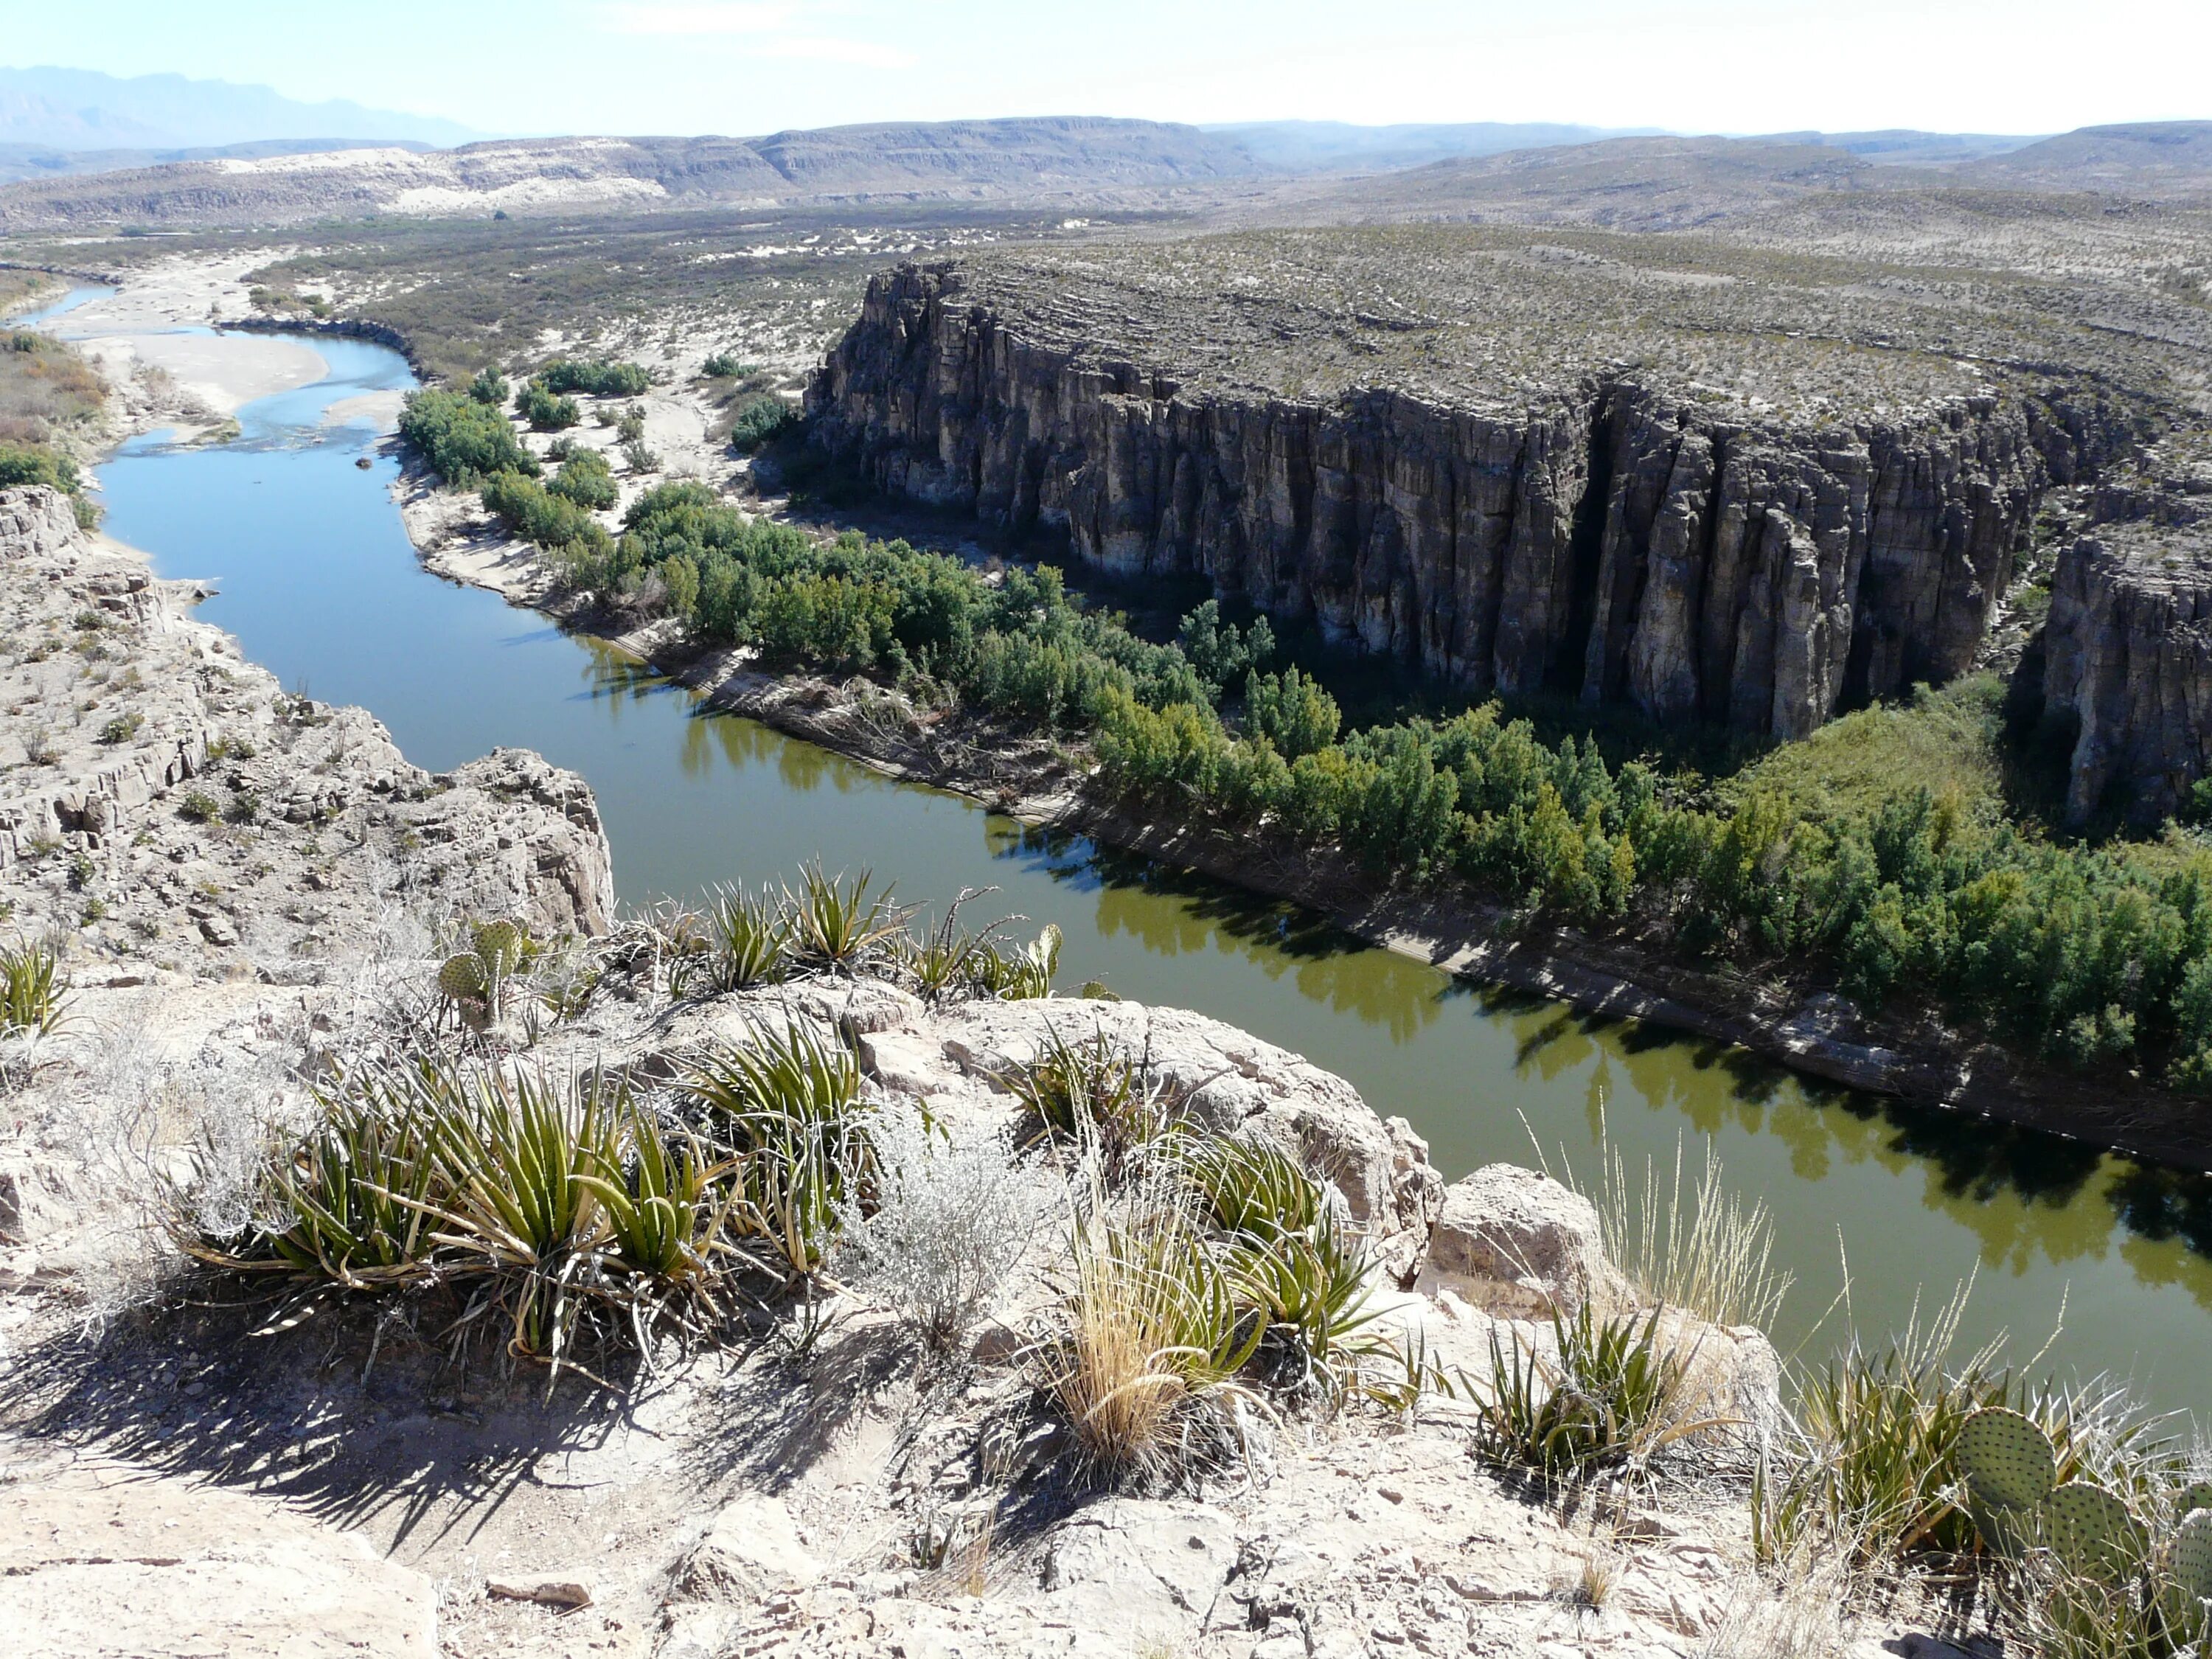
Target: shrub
x=545, y=411
x=463, y=440
x=726, y=366
x=200, y=807
x=489, y=388
x=760, y=420
x=596, y=380
x=946, y=1222
x=550, y=520
x=585, y=479
x=21, y=464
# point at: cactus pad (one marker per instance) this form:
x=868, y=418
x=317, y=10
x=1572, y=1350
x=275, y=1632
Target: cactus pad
x=500, y=944
x=2191, y=1566
x=2092, y=1533
x=2196, y=1495
x=2008, y=1461
x=463, y=978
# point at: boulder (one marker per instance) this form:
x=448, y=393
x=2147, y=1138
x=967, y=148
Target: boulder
x=1232, y=1083
x=752, y=1547
x=1518, y=1244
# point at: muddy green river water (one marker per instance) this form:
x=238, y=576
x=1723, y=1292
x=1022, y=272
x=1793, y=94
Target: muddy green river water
x=319, y=582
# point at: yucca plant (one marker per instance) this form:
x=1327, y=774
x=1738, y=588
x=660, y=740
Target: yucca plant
x=349, y=1204
x=1145, y=1360
x=1608, y=1395
x=838, y=922
x=33, y=995
x=749, y=939
x=789, y=1105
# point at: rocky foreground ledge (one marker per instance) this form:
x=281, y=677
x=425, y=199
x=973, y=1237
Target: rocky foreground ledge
x=854, y=1500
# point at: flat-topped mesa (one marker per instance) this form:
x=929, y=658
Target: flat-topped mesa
x=2126, y=655
x=1486, y=498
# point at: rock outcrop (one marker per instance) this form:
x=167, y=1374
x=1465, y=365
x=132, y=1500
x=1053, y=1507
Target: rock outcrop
x=1595, y=529
x=2125, y=657
x=164, y=799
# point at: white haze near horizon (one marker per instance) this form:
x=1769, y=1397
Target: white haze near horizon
x=754, y=66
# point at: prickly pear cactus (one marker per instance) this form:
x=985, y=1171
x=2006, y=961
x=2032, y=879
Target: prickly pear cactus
x=2196, y=1495
x=463, y=978
x=499, y=944
x=2190, y=1564
x=2092, y=1533
x=2008, y=1460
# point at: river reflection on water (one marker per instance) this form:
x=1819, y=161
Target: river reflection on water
x=319, y=582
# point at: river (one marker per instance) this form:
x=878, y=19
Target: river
x=318, y=581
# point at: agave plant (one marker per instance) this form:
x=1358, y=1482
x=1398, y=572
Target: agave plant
x=789, y=1104
x=1609, y=1393
x=838, y=922
x=33, y=995
x=1311, y=1289
x=348, y=1205
x=749, y=939
x=1092, y=1094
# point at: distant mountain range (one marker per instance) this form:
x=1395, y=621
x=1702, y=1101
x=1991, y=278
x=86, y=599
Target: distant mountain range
x=79, y=110
x=1555, y=172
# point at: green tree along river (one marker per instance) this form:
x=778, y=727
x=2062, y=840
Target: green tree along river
x=319, y=582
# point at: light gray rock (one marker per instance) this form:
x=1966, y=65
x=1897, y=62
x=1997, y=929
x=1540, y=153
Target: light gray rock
x=1230, y=1082
x=1518, y=1244
x=753, y=1547
x=107, y=1560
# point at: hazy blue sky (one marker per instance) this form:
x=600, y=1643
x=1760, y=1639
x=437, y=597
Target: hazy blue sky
x=639, y=66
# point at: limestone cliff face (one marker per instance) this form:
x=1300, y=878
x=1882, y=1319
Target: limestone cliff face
x=2126, y=655
x=1602, y=538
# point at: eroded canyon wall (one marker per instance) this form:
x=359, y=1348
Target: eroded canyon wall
x=1602, y=538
